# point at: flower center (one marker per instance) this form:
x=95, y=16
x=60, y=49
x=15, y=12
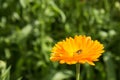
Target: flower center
x=79, y=51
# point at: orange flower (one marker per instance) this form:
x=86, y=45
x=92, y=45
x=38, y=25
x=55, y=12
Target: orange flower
x=80, y=49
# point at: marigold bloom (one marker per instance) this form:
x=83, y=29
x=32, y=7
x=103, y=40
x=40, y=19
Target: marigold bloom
x=80, y=49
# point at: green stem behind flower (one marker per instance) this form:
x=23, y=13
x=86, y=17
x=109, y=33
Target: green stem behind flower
x=77, y=71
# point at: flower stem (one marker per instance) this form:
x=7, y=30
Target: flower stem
x=77, y=71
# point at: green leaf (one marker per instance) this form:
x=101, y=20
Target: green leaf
x=110, y=66
x=5, y=74
x=61, y=75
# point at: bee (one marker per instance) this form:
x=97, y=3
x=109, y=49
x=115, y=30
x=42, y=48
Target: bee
x=79, y=51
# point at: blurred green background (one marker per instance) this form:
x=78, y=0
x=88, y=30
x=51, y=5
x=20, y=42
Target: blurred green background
x=30, y=28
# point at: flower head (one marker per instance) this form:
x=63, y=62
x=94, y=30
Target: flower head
x=80, y=49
